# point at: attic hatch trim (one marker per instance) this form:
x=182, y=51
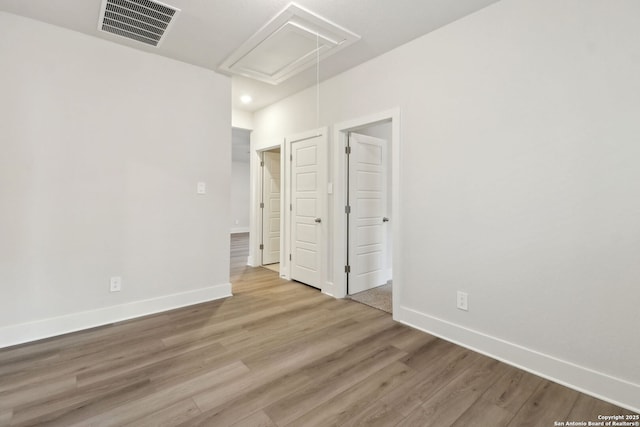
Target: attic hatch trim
x=143, y=21
x=295, y=21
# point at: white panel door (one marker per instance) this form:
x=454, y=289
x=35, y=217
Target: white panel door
x=367, y=221
x=271, y=210
x=308, y=163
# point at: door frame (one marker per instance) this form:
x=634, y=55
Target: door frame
x=263, y=204
x=340, y=132
x=353, y=218
x=285, y=265
x=256, y=232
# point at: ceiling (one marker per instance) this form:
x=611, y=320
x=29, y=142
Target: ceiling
x=206, y=32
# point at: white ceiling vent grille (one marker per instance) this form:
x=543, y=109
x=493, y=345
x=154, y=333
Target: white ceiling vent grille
x=288, y=44
x=145, y=21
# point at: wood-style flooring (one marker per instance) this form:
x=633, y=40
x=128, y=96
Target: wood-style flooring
x=277, y=353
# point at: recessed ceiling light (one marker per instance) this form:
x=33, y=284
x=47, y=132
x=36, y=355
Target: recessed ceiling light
x=246, y=99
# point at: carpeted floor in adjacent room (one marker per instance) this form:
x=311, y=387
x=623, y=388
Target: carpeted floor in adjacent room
x=379, y=298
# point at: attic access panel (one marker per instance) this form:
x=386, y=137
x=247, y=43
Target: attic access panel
x=145, y=21
x=290, y=43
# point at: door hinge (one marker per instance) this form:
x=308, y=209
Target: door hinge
x=261, y=246
x=261, y=205
x=262, y=163
x=289, y=257
x=290, y=207
x=347, y=150
x=347, y=269
x=291, y=157
x=347, y=209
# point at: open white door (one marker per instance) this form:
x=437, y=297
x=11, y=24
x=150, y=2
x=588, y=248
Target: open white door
x=368, y=220
x=271, y=208
x=308, y=180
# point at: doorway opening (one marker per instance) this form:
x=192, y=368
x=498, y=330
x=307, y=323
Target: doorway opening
x=366, y=159
x=290, y=209
x=368, y=213
x=240, y=190
x=270, y=208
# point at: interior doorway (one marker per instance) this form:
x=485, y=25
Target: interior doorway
x=368, y=215
x=270, y=206
x=366, y=253
x=299, y=235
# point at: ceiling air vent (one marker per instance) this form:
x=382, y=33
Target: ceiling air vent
x=144, y=21
x=288, y=44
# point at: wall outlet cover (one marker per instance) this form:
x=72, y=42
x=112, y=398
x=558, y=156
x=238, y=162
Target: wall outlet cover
x=463, y=301
x=115, y=284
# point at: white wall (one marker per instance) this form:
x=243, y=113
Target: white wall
x=102, y=147
x=240, y=197
x=520, y=182
x=241, y=119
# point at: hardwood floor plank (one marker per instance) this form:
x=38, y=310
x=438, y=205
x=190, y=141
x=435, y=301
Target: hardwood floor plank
x=351, y=355
x=411, y=340
x=64, y=409
x=63, y=367
x=266, y=373
x=236, y=322
x=445, y=406
x=36, y=392
x=307, y=325
x=165, y=397
x=251, y=401
x=588, y=408
x=377, y=415
x=5, y=418
x=445, y=366
x=326, y=387
x=170, y=416
x=257, y=419
x=282, y=357
x=551, y=402
x=16, y=364
x=345, y=408
x=152, y=361
x=500, y=403
x=435, y=348
x=369, y=325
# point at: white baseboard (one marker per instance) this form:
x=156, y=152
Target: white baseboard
x=597, y=384
x=46, y=328
x=239, y=230
x=329, y=289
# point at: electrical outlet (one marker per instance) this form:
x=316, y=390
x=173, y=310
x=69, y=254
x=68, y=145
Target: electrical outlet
x=201, y=188
x=115, y=284
x=463, y=301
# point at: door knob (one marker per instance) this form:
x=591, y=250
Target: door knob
x=385, y=219
x=318, y=220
